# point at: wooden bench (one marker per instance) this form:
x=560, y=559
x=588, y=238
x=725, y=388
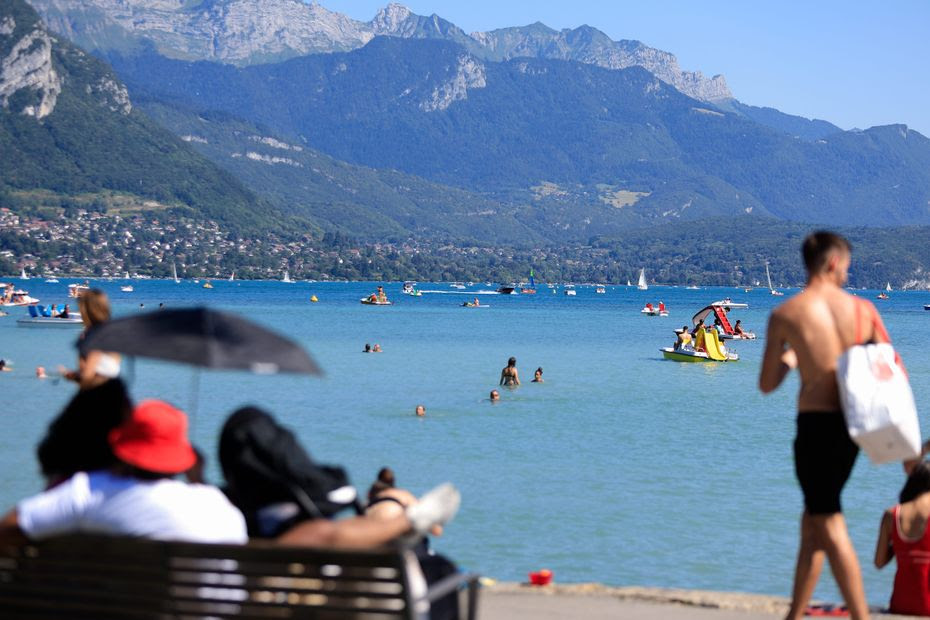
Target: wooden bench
x=99, y=578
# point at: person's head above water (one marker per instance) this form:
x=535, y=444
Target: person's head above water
x=826, y=254
x=420, y=411
x=512, y=361
x=367, y=348
x=495, y=395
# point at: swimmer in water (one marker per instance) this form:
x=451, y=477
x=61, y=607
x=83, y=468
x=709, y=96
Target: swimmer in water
x=509, y=375
x=495, y=396
x=537, y=376
x=420, y=411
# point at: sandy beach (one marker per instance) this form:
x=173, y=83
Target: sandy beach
x=513, y=601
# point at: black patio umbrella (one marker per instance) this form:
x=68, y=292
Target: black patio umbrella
x=201, y=337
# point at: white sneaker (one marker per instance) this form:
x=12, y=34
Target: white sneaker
x=436, y=507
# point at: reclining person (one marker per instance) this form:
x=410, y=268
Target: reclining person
x=286, y=496
x=138, y=496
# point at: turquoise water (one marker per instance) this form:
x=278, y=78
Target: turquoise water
x=621, y=468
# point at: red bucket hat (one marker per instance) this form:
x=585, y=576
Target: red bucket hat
x=154, y=438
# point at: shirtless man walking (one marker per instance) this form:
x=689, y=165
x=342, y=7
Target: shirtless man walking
x=809, y=332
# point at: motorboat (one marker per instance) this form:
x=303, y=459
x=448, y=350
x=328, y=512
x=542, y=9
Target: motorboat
x=51, y=281
x=410, y=288
x=506, y=290
x=457, y=285
x=368, y=301
x=570, y=290
x=600, y=290
x=11, y=296
x=692, y=288
x=127, y=288
x=883, y=295
x=728, y=304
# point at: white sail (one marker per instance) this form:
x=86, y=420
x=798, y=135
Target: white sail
x=22, y=275
x=232, y=276
x=888, y=286
x=768, y=277
x=174, y=274
x=628, y=283
x=641, y=285
x=287, y=277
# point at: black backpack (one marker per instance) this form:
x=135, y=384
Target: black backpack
x=264, y=465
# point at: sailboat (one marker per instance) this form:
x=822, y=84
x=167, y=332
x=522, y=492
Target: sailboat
x=888, y=286
x=287, y=277
x=531, y=289
x=641, y=285
x=628, y=283
x=769, y=278
x=232, y=276
x=174, y=274
x=22, y=275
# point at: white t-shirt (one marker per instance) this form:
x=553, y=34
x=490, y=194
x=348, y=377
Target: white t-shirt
x=102, y=503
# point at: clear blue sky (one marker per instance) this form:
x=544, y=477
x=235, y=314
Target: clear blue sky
x=856, y=63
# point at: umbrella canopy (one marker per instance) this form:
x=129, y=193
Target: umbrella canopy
x=201, y=337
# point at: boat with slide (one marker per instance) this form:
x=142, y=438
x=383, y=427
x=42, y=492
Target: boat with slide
x=707, y=349
x=720, y=309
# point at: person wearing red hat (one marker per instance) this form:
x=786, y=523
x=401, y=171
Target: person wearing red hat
x=139, y=496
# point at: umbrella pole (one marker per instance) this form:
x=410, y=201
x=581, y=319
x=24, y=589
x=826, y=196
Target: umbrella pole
x=195, y=393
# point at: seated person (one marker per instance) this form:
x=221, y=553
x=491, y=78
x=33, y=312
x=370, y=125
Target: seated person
x=65, y=313
x=139, y=496
x=284, y=495
x=738, y=328
x=385, y=500
x=77, y=440
x=903, y=536
x=684, y=338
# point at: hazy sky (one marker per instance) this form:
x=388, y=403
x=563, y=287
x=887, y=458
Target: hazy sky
x=855, y=63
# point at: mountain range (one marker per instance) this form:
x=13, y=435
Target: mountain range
x=406, y=126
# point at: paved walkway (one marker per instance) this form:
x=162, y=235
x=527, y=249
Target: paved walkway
x=509, y=601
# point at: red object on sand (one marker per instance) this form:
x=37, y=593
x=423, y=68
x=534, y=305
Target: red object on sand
x=826, y=610
x=541, y=577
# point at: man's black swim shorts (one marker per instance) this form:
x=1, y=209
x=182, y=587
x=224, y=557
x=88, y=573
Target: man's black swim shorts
x=824, y=456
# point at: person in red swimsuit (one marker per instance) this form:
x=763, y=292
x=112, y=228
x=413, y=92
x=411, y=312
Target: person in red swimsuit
x=903, y=536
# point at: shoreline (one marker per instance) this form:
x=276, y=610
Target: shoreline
x=519, y=601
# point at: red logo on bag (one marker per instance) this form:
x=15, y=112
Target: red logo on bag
x=882, y=370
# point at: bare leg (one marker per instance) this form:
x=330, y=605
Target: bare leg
x=807, y=570
x=831, y=529
x=827, y=534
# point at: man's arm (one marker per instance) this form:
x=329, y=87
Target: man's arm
x=778, y=358
x=10, y=532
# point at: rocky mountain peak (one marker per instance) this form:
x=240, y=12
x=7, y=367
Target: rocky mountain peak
x=390, y=18
x=26, y=67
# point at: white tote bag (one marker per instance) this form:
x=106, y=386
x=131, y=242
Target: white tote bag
x=877, y=401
